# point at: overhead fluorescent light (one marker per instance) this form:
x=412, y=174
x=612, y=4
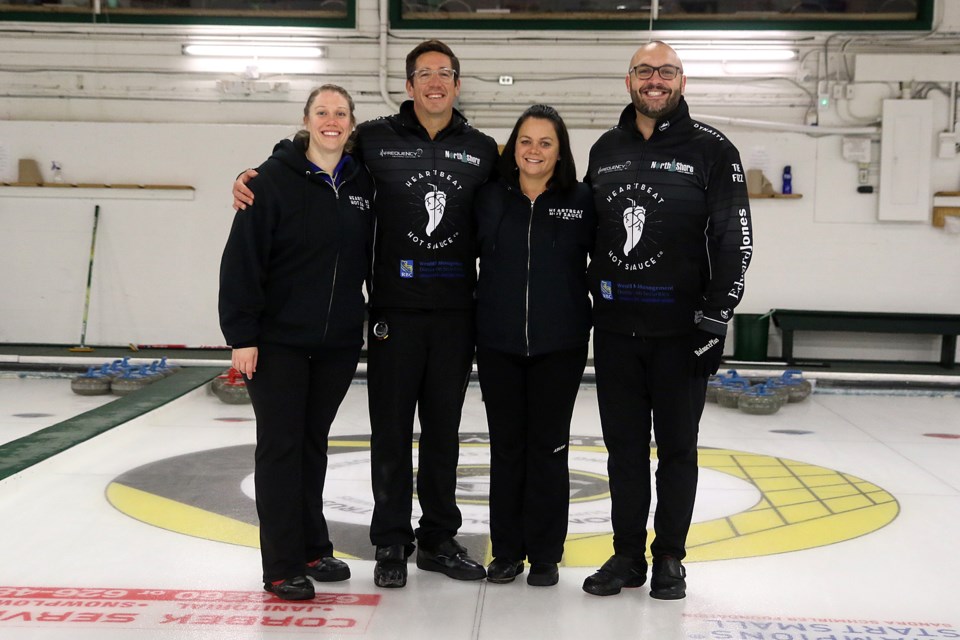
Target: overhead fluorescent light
x=753, y=54
x=739, y=69
x=253, y=50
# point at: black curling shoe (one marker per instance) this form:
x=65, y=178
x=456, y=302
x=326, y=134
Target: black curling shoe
x=616, y=573
x=450, y=558
x=667, y=582
x=502, y=570
x=328, y=569
x=391, y=569
x=543, y=574
x=297, y=588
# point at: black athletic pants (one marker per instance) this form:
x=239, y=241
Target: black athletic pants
x=639, y=379
x=529, y=403
x=421, y=367
x=295, y=394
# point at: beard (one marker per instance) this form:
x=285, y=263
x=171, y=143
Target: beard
x=655, y=112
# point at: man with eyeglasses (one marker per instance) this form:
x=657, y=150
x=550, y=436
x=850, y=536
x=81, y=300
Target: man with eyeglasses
x=674, y=241
x=427, y=162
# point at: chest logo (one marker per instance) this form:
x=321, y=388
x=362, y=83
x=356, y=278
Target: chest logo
x=634, y=218
x=435, y=201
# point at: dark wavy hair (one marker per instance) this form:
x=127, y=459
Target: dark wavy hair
x=426, y=47
x=565, y=173
x=302, y=137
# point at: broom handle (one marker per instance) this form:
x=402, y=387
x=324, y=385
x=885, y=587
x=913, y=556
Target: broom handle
x=86, y=304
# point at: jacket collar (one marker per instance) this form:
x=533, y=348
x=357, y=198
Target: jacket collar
x=680, y=115
x=292, y=155
x=407, y=117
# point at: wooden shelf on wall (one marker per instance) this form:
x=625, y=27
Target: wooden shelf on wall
x=777, y=196
x=945, y=203
x=97, y=191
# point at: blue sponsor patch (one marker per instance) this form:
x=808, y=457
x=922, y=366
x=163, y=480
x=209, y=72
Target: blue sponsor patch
x=606, y=290
x=406, y=268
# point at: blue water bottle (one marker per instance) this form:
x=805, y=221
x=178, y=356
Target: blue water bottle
x=787, y=180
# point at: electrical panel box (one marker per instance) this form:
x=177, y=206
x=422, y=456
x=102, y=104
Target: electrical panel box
x=906, y=158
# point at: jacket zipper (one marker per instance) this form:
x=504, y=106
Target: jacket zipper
x=336, y=265
x=526, y=301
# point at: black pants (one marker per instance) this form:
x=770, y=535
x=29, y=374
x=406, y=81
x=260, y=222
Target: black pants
x=422, y=367
x=295, y=394
x=638, y=378
x=529, y=403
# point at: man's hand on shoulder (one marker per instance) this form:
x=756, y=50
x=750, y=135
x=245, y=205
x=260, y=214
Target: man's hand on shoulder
x=242, y=196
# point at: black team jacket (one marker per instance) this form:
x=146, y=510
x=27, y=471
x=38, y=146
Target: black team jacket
x=674, y=238
x=532, y=297
x=424, y=251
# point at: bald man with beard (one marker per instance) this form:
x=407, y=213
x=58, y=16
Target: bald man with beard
x=674, y=241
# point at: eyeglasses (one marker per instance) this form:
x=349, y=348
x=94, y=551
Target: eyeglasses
x=444, y=73
x=666, y=71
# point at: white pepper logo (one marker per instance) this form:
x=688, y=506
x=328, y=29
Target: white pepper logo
x=435, y=201
x=634, y=218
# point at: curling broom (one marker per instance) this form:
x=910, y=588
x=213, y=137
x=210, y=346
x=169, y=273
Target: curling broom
x=83, y=348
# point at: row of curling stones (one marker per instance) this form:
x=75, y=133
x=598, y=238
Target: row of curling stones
x=733, y=391
x=119, y=377
x=231, y=388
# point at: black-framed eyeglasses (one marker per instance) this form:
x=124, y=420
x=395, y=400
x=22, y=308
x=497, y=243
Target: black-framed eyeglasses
x=444, y=73
x=666, y=71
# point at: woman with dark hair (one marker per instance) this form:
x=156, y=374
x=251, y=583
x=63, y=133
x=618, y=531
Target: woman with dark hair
x=535, y=229
x=292, y=308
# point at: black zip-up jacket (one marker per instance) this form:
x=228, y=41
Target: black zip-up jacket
x=424, y=251
x=674, y=236
x=532, y=297
x=295, y=262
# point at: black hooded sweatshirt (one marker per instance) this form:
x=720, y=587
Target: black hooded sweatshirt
x=296, y=260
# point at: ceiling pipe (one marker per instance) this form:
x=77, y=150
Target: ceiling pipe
x=384, y=23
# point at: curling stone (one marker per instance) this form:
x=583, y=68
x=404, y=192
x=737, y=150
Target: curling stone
x=713, y=386
x=797, y=386
x=118, y=368
x=158, y=372
x=759, y=400
x=728, y=394
x=151, y=374
x=132, y=380
x=715, y=382
x=230, y=374
x=232, y=389
x=165, y=368
x=777, y=386
x=91, y=383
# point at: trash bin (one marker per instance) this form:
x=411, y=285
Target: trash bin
x=750, y=333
